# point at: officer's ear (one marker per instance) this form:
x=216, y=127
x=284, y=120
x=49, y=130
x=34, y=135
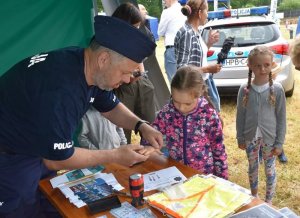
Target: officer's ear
x=103, y=59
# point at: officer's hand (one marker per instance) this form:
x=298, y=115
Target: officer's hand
x=128, y=155
x=151, y=135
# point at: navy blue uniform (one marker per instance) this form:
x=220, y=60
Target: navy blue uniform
x=42, y=100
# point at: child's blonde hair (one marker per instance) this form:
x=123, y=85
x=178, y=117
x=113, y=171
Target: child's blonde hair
x=188, y=78
x=295, y=51
x=259, y=50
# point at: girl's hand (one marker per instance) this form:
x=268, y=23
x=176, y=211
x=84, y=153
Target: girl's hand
x=276, y=151
x=242, y=146
x=147, y=150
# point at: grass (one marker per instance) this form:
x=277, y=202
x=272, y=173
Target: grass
x=288, y=176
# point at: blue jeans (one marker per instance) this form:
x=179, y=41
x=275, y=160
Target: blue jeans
x=170, y=63
x=213, y=93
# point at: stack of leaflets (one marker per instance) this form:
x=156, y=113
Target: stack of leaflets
x=162, y=178
x=128, y=211
x=200, y=196
x=265, y=211
x=87, y=185
x=288, y=213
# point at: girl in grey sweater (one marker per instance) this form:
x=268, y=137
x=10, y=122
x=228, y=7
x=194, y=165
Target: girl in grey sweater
x=261, y=119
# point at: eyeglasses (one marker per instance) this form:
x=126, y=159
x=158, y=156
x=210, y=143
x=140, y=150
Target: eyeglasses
x=139, y=73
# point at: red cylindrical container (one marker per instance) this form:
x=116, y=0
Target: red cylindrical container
x=136, y=185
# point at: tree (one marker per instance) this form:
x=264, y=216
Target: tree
x=289, y=5
x=154, y=7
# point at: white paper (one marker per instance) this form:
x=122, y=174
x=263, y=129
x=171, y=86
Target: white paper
x=288, y=212
x=162, y=178
x=128, y=211
x=261, y=210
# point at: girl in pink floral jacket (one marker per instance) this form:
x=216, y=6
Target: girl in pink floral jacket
x=191, y=126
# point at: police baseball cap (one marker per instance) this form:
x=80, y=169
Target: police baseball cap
x=123, y=38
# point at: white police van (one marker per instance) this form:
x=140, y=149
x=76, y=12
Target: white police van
x=248, y=31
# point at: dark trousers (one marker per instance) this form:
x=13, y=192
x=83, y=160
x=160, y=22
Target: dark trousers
x=19, y=194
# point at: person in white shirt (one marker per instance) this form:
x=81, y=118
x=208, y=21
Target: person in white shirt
x=170, y=22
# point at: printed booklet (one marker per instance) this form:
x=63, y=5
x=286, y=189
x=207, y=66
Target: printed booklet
x=261, y=210
x=87, y=185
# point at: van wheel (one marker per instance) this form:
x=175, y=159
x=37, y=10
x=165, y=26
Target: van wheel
x=291, y=92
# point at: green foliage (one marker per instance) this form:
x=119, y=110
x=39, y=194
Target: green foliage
x=154, y=7
x=247, y=3
x=289, y=5
x=100, y=7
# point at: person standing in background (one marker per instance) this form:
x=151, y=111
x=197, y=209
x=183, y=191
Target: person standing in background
x=144, y=13
x=170, y=22
x=191, y=49
x=191, y=126
x=291, y=30
x=261, y=119
x=138, y=95
x=145, y=23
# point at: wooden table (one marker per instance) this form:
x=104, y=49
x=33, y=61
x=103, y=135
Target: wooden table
x=122, y=174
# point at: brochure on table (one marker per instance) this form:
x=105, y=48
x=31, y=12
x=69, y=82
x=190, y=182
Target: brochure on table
x=261, y=210
x=162, y=178
x=84, y=186
x=288, y=213
x=75, y=175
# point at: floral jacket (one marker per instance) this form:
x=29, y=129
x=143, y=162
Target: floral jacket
x=195, y=139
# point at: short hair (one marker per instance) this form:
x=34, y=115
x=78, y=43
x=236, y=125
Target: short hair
x=95, y=47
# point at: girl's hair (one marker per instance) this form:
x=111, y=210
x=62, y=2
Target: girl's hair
x=188, y=78
x=259, y=50
x=192, y=7
x=129, y=13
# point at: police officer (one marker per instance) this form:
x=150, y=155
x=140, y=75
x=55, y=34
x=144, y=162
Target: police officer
x=43, y=99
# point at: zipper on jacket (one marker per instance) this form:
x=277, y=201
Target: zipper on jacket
x=185, y=161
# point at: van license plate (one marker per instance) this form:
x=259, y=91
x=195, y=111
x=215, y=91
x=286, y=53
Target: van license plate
x=235, y=62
